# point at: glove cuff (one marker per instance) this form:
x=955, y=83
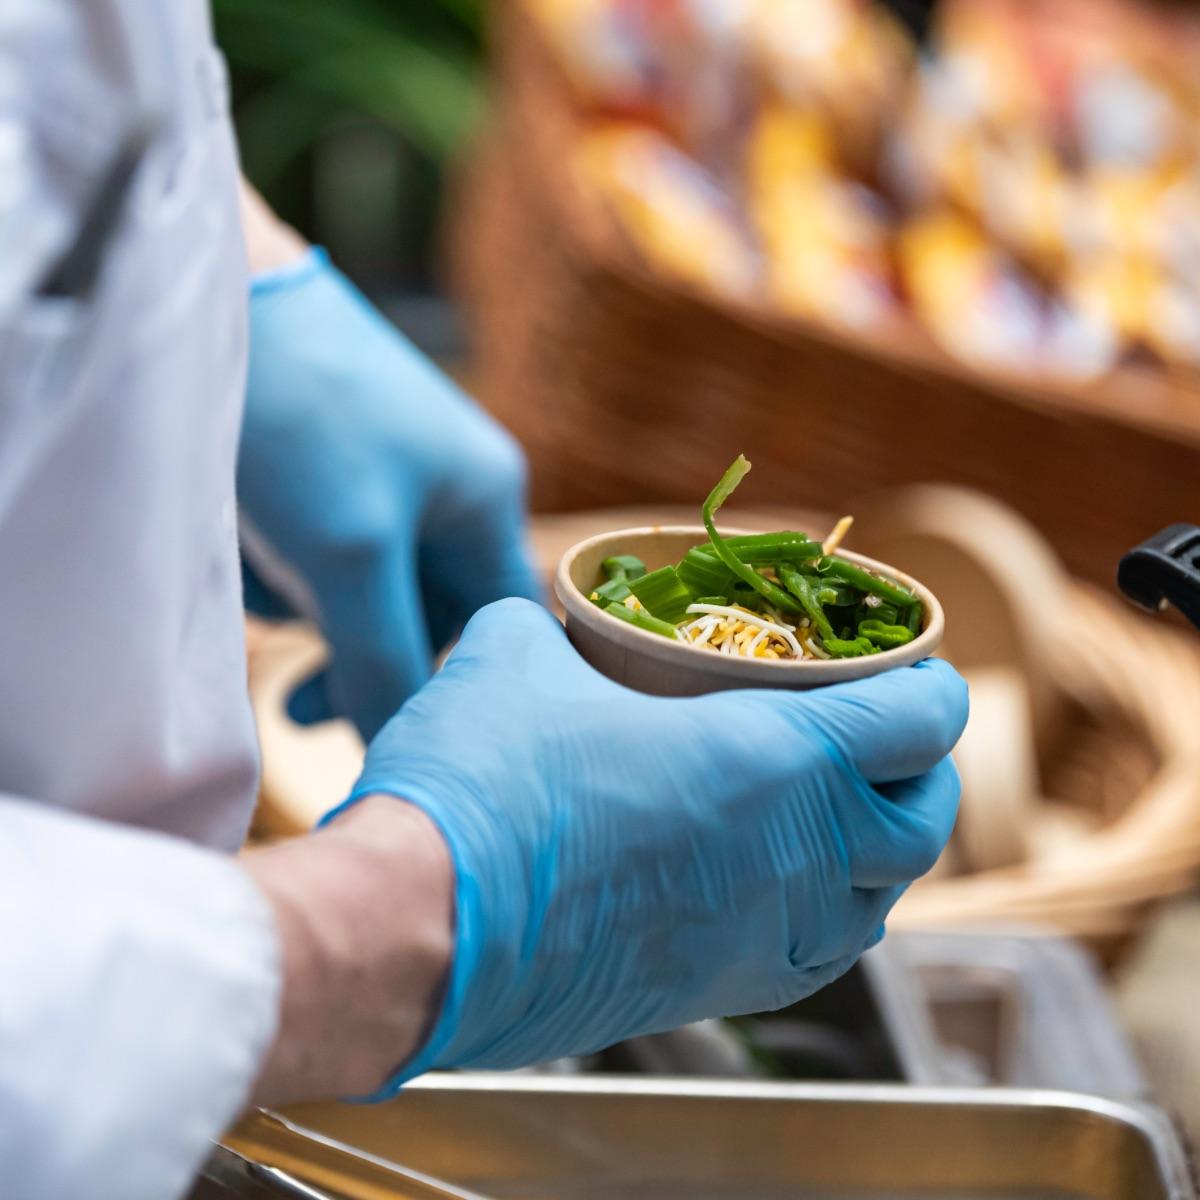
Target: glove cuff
x=467, y=941
x=314, y=261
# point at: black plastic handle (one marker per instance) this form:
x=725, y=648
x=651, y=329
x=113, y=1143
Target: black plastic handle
x=1165, y=570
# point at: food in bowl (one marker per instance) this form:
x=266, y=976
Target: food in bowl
x=775, y=596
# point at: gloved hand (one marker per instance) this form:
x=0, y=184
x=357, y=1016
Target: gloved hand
x=627, y=863
x=389, y=506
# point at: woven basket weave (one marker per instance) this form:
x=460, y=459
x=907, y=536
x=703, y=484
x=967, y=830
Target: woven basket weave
x=626, y=387
x=1130, y=757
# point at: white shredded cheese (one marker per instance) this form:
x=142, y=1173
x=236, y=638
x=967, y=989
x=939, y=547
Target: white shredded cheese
x=737, y=614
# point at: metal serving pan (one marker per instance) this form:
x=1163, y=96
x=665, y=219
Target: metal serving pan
x=587, y=1138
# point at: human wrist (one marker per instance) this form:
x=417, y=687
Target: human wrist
x=271, y=245
x=365, y=910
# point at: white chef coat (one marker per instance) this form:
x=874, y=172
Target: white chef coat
x=138, y=965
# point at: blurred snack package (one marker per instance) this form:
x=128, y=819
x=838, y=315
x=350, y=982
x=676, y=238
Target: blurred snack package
x=1068, y=132
x=673, y=210
x=843, y=60
x=676, y=64
x=824, y=236
x=1026, y=186
x=987, y=309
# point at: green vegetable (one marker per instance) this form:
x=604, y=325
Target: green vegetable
x=623, y=566
x=914, y=618
x=724, y=489
x=712, y=600
x=766, y=549
x=663, y=593
x=836, y=595
x=848, y=572
x=643, y=620
x=801, y=587
x=857, y=647
x=887, y=614
x=886, y=637
x=613, y=589
x=619, y=569
x=705, y=574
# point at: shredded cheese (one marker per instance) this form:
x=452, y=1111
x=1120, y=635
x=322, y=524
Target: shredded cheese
x=837, y=535
x=736, y=614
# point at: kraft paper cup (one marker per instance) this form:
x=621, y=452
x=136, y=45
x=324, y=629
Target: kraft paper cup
x=650, y=663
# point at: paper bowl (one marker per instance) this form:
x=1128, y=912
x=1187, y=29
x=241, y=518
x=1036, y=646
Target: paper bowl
x=650, y=663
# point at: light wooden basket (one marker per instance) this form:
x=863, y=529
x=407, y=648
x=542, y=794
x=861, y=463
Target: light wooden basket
x=1129, y=760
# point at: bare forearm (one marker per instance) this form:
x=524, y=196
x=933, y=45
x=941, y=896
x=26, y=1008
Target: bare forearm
x=366, y=918
x=270, y=244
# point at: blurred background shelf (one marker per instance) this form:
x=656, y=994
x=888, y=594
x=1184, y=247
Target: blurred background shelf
x=359, y=119
x=626, y=386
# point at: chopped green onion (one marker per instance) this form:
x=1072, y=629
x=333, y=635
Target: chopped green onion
x=886, y=637
x=886, y=614
x=915, y=618
x=704, y=574
x=663, y=593
x=801, y=587
x=857, y=647
x=623, y=566
x=848, y=572
x=724, y=489
x=766, y=549
x=836, y=595
x=614, y=589
x=643, y=620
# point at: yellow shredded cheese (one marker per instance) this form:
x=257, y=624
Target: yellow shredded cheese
x=837, y=535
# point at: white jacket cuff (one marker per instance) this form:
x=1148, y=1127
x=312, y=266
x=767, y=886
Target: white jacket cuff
x=139, y=991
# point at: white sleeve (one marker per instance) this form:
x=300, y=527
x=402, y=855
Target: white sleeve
x=139, y=982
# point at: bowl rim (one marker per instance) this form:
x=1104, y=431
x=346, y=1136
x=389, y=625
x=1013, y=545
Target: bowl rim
x=577, y=605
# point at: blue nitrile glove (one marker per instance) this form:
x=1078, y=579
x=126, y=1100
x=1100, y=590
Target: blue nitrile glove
x=627, y=863
x=367, y=474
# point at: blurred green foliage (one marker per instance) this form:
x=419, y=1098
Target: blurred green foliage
x=310, y=77
x=301, y=67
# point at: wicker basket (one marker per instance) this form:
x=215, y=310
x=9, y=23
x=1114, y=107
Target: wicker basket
x=625, y=387
x=1128, y=758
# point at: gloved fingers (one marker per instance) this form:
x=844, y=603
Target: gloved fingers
x=842, y=920
x=898, y=830
x=478, y=551
x=812, y=979
x=458, y=578
x=532, y=646
x=381, y=650
x=893, y=726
